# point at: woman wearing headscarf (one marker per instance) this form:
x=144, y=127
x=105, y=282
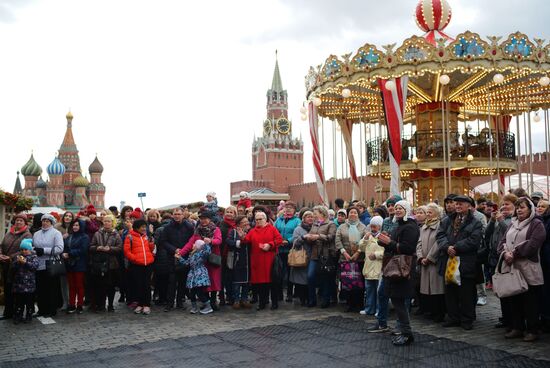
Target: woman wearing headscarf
x=263, y=240
x=298, y=275
x=322, y=265
x=432, y=284
x=207, y=231
x=8, y=249
x=104, y=249
x=75, y=254
x=348, y=236
x=402, y=241
x=521, y=247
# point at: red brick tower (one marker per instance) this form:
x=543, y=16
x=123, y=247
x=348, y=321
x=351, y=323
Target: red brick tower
x=277, y=157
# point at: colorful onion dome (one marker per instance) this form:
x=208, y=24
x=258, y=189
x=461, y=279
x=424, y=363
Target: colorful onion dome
x=31, y=168
x=80, y=181
x=95, y=166
x=433, y=15
x=40, y=183
x=56, y=167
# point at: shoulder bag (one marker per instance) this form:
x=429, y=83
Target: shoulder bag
x=398, y=267
x=506, y=284
x=55, y=265
x=297, y=257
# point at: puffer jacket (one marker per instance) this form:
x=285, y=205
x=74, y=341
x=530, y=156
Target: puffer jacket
x=138, y=250
x=286, y=229
x=76, y=245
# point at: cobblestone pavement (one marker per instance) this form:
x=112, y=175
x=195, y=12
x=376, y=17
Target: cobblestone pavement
x=290, y=336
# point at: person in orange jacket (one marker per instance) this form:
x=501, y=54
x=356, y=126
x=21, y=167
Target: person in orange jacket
x=138, y=249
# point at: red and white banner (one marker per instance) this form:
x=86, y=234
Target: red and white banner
x=347, y=129
x=319, y=175
x=394, y=102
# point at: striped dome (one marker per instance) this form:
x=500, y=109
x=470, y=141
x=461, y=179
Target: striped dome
x=31, y=168
x=56, y=167
x=81, y=181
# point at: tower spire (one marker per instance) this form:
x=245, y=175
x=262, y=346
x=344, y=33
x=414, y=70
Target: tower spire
x=277, y=84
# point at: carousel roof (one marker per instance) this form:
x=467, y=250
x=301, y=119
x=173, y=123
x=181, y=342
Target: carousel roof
x=496, y=75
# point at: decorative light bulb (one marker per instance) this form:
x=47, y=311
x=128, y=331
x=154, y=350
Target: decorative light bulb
x=444, y=79
x=498, y=78
x=346, y=93
x=536, y=118
x=544, y=81
x=303, y=110
x=303, y=117
x=415, y=160
x=317, y=101
x=374, y=163
x=470, y=158
x=390, y=85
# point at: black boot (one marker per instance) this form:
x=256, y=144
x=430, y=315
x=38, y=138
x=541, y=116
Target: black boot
x=28, y=317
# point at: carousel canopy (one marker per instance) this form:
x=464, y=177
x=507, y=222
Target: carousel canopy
x=494, y=76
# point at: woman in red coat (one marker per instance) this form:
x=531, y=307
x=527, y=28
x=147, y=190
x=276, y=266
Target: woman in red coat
x=263, y=241
x=207, y=231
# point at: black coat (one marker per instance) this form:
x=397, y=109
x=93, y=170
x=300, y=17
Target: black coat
x=172, y=236
x=466, y=242
x=404, y=239
x=241, y=262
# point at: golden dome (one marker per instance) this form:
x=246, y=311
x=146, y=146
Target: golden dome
x=81, y=181
x=69, y=115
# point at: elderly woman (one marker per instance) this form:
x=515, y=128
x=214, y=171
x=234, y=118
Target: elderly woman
x=420, y=214
x=322, y=265
x=263, y=240
x=298, y=275
x=8, y=249
x=104, y=268
x=285, y=224
x=226, y=225
x=241, y=263
x=348, y=236
x=208, y=232
x=402, y=241
x=432, y=285
x=520, y=247
x=542, y=206
x=47, y=242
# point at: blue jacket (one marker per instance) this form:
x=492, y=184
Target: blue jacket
x=77, y=244
x=365, y=218
x=286, y=229
x=198, y=273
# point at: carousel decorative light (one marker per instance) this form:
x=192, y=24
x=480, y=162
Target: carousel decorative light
x=303, y=110
x=470, y=158
x=433, y=16
x=390, y=85
x=498, y=78
x=415, y=160
x=544, y=81
x=444, y=79
x=346, y=92
x=303, y=117
x=536, y=118
x=317, y=101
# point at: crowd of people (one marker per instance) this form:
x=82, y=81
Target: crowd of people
x=439, y=259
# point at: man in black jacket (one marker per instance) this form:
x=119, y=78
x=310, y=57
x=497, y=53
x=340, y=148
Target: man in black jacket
x=172, y=238
x=460, y=235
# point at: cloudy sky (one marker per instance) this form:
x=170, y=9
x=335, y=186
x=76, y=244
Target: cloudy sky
x=169, y=94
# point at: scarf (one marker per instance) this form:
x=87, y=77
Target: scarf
x=231, y=223
x=305, y=226
x=206, y=231
x=22, y=230
x=353, y=233
x=430, y=222
x=288, y=217
x=459, y=220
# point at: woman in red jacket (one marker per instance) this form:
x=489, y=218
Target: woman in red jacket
x=139, y=252
x=263, y=241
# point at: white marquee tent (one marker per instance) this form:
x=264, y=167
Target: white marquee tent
x=540, y=184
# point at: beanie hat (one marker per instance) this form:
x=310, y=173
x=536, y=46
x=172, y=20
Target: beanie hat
x=56, y=215
x=377, y=221
x=137, y=213
x=26, y=244
x=407, y=206
x=394, y=199
x=48, y=217
x=213, y=194
x=91, y=209
x=343, y=212
x=199, y=244
x=244, y=194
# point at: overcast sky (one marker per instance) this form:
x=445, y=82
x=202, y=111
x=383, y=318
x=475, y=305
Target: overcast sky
x=169, y=94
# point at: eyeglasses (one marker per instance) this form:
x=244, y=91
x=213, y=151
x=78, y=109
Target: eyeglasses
x=259, y=219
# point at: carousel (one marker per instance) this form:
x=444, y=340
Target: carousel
x=436, y=110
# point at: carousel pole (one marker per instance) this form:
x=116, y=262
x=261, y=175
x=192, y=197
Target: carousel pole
x=448, y=119
x=546, y=152
x=361, y=127
x=490, y=139
x=527, y=157
x=444, y=145
x=379, y=159
x=532, y=188
x=334, y=165
x=342, y=161
x=497, y=123
x=518, y=157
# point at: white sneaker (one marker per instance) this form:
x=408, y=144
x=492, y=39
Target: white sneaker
x=481, y=300
x=146, y=311
x=194, y=308
x=138, y=310
x=206, y=309
x=363, y=313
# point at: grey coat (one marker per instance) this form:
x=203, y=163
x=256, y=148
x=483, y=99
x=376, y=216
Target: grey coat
x=431, y=282
x=342, y=240
x=298, y=275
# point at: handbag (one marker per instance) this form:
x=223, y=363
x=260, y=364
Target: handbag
x=297, y=257
x=452, y=271
x=55, y=266
x=509, y=283
x=215, y=259
x=277, y=270
x=398, y=267
x=351, y=277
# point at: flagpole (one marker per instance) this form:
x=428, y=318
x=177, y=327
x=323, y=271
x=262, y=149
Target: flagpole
x=334, y=166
